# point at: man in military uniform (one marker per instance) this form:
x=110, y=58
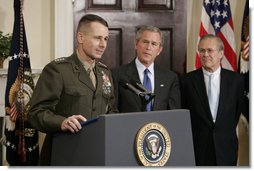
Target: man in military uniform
x=74, y=89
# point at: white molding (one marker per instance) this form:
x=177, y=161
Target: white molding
x=63, y=28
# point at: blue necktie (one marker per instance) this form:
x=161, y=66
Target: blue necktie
x=148, y=86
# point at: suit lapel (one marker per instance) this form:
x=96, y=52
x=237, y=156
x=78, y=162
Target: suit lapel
x=132, y=73
x=199, y=87
x=157, y=79
x=223, y=93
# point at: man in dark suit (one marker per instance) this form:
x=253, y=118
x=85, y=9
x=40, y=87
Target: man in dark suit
x=214, y=97
x=162, y=82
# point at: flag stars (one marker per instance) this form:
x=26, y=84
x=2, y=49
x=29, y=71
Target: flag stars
x=224, y=14
x=8, y=143
x=35, y=146
x=218, y=2
x=13, y=146
x=24, y=54
x=30, y=149
x=217, y=24
x=207, y=2
x=213, y=2
x=15, y=56
x=225, y=3
x=212, y=13
x=217, y=13
x=28, y=73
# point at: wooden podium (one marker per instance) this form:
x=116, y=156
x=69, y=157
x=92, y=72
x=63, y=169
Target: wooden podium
x=109, y=140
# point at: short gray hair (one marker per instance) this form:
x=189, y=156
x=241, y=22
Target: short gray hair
x=211, y=36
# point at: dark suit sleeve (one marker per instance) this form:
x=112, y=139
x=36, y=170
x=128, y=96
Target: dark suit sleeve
x=243, y=100
x=183, y=99
x=175, y=96
x=115, y=82
x=246, y=108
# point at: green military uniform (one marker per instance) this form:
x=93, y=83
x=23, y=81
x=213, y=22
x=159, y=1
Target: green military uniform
x=64, y=89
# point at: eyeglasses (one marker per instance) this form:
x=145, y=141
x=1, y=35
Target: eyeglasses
x=209, y=51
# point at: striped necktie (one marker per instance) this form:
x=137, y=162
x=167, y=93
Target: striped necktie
x=148, y=85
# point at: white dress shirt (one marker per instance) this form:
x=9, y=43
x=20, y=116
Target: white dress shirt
x=216, y=87
x=141, y=69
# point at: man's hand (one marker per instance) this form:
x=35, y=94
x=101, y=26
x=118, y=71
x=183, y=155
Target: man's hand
x=72, y=123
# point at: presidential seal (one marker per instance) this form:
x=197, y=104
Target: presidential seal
x=153, y=145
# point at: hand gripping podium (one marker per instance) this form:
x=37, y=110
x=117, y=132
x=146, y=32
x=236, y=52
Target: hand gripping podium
x=112, y=140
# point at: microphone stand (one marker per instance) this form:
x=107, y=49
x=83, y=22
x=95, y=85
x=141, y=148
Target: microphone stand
x=145, y=101
x=140, y=91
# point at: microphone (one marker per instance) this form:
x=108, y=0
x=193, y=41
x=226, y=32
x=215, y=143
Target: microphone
x=131, y=87
x=143, y=88
x=138, y=85
x=125, y=84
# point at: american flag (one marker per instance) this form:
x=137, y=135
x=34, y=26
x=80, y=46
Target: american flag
x=21, y=139
x=243, y=65
x=216, y=19
x=245, y=43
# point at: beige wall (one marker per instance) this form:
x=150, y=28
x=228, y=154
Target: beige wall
x=39, y=20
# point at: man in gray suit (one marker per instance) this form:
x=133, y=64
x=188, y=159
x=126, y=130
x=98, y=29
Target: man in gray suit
x=163, y=83
x=215, y=99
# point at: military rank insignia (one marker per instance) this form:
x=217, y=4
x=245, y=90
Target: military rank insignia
x=153, y=145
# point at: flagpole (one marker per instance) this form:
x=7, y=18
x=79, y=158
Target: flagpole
x=21, y=146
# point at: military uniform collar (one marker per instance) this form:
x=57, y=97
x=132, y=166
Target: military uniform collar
x=88, y=65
